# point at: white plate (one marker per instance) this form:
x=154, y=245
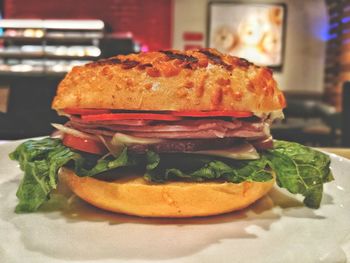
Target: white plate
x=275, y=229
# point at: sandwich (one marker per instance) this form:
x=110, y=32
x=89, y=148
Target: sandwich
x=168, y=134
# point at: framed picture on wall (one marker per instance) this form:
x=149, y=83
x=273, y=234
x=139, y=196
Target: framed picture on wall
x=252, y=31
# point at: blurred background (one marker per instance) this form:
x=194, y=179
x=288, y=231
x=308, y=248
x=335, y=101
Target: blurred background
x=305, y=42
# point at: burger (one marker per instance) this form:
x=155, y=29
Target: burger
x=168, y=134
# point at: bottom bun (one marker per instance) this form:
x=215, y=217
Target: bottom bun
x=135, y=196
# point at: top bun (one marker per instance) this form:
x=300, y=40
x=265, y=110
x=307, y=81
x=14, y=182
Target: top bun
x=171, y=80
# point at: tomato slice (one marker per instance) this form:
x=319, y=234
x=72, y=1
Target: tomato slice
x=130, y=116
x=79, y=111
x=199, y=114
x=84, y=144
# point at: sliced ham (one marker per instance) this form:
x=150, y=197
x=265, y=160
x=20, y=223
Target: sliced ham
x=208, y=128
x=186, y=125
x=239, y=133
x=201, y=134
x=180, y=136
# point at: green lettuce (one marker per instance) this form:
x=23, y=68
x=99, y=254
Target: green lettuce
x=40, y=161
x=299, y=169
x=193, y=167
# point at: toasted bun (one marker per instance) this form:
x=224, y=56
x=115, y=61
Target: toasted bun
x=135, y=196
x=171, y=80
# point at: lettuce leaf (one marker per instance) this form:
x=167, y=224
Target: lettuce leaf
x=194, y=167
x=299, y=169
x=40, y=161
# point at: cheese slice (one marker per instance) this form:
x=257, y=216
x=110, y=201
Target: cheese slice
x=244, y=151
x=123, y=139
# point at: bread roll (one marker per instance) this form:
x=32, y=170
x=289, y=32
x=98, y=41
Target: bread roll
x=135, y=196
x=171, y=81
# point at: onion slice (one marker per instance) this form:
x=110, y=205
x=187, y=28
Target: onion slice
x=74, y=132
x=121, y=138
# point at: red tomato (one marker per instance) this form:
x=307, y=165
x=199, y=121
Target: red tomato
x=130, y=116
x=236, y=114
x=78, y=111
x=83, y=144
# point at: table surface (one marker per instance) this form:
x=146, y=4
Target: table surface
x=344, y=152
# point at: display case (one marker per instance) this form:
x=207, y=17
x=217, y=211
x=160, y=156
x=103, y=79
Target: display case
x=49, y=47
x=34, y=57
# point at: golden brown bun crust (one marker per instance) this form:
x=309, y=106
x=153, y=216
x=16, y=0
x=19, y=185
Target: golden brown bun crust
x=171, y=80
x=135, y=196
